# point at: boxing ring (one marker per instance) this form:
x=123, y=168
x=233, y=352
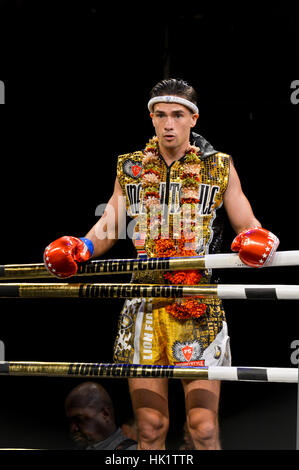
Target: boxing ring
x=25, y=290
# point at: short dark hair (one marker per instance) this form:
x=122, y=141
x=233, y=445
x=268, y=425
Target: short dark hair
x=174, y=86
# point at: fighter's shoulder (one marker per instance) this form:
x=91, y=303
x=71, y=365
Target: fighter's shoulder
x=220, y=158
x=130, y=164
x=222, y=155
x=138, y=155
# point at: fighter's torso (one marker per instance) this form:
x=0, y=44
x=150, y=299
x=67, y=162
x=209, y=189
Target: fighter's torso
x=214, y=174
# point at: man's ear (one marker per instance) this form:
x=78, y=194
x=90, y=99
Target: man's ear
x=195, y=118
x=152, y=117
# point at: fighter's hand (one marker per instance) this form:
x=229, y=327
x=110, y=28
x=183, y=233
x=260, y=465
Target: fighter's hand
x=256, y=246
x=62, y=255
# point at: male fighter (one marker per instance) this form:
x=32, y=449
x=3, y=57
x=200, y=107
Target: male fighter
x=174, y=189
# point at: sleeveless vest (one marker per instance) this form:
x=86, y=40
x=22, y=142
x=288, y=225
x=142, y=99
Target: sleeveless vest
x=214, y=175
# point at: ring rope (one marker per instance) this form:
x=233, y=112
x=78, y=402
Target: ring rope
x=100, y=291
x=103, y=370
x=120, y=266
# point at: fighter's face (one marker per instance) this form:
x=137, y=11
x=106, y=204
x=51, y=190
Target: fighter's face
x=87, y=426
x=172, y=123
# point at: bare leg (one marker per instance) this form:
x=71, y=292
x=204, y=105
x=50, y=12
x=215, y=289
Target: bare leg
x=150, y=403
x=202, y=403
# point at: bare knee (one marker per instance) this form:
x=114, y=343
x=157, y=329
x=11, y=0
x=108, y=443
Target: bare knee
x=204, y=431
x=152, y=429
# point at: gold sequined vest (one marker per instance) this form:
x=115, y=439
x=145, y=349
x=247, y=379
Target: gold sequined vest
x=214, y=175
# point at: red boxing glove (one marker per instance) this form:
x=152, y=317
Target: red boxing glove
x=255, y=246
x=62, y=255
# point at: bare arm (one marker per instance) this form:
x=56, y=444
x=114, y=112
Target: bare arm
x=237, y=206
x=104, y=233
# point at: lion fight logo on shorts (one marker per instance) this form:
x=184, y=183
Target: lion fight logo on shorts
x=132, y=169
x=188, y=353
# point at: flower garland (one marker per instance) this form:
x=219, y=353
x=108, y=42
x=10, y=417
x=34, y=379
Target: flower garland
x=167, y=247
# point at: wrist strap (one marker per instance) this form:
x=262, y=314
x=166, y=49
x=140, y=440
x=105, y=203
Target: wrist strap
x=89, y=245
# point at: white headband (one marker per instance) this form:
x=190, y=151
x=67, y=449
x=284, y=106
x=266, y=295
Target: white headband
x=172, y=99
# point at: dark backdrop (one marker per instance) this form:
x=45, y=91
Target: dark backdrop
x=77, y=77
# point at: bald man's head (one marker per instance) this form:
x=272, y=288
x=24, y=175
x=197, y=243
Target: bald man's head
x=89, y=394
x=90, y=411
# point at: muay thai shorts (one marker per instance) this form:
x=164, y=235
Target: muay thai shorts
x=149, y=335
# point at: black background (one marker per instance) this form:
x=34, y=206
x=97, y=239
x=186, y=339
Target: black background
x=77, y=77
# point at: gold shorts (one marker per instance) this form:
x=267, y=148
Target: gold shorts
x=147, y=334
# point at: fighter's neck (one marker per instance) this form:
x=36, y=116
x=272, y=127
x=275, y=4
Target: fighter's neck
x=172, y=155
